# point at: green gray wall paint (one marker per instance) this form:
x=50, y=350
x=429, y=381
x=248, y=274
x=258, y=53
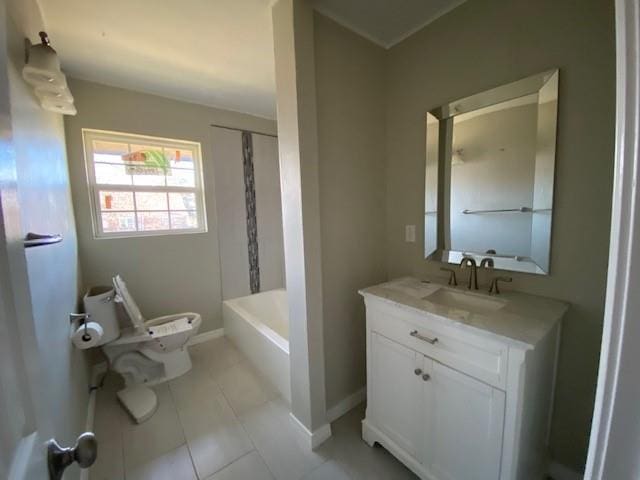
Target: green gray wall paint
x=171, y=273
x=350, y=90
x=483, y=44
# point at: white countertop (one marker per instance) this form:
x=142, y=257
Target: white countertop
x=523, y=321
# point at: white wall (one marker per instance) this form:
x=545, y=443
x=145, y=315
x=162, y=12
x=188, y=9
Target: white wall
x=44, y=198
x=350, y=92
x=165, y=274
x=484, y=43
x=232, y=212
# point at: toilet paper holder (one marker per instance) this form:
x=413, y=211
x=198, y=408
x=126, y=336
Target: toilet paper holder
x=81, y=319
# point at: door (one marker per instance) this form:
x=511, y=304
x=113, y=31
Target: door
x=24, y=427
x=396, y=389
x=43, y=380
x=465, y=438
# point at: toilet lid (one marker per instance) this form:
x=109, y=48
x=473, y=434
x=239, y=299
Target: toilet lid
x=129, y=304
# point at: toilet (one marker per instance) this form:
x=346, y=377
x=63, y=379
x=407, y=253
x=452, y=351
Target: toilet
x=144, y=352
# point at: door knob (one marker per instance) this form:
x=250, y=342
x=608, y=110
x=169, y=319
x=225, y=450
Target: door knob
x=59, y=458
x=417, y=371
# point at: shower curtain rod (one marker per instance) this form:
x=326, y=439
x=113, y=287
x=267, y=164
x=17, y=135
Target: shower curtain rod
x=244, y=130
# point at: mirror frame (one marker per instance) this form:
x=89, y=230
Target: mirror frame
x=439, y=123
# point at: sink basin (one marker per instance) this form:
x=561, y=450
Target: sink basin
x=464, y=301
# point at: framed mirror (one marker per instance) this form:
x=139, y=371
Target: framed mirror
x=489, y=175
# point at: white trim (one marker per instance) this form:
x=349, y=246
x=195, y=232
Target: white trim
x=96, y=371
x=346, y=405
x=312, y=439
x=557, y=471
x=206, y=336
x=615, y=434
x=90, y=135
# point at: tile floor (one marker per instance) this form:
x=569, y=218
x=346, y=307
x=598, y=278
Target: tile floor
x=222, y=422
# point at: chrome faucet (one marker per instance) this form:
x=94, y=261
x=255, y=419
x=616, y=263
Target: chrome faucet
x=487, y=263
x=453, y=281
x=493, y=288
x=473, y=274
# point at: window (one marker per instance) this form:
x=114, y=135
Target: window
x=143, y=185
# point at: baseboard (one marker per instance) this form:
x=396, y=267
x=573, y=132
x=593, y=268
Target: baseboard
x=346, y=404
x=97, y=371
x=312, y=439
x=557, y=471
x=206, y=336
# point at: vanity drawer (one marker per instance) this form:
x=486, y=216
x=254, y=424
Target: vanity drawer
x=474, y=355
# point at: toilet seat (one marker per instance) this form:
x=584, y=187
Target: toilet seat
x=148, y=352
x=166, y=331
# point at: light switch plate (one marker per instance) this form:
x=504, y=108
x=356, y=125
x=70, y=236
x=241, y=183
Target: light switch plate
x=410, y=233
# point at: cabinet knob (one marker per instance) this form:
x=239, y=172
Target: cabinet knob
x=426, y=377
x=417, y=371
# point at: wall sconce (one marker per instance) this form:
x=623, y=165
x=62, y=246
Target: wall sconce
x=42, y=71
x=457, y=156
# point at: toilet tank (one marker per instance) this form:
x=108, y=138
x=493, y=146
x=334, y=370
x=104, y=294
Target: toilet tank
x=100, y=305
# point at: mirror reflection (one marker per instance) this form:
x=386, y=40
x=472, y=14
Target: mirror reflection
x=490, y=161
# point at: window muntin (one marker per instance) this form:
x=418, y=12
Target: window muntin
x=143, y=185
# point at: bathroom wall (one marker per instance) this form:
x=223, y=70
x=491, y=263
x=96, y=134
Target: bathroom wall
x=165, y=274
x=350, y=88
x=44, y=198
x=299, y=179
x=483, y=44
x=232, y=211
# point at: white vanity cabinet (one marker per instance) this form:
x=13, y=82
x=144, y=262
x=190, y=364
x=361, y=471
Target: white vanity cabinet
x=455, y=401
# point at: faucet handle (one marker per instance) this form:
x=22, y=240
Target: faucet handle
x=494, y=288
x=452, y=276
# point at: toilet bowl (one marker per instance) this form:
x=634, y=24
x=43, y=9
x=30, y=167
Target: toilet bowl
x=146, y=352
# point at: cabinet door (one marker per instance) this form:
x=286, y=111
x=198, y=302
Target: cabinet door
x=464, y=428
x=396, y=389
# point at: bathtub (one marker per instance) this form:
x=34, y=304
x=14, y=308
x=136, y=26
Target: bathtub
x=259, y=326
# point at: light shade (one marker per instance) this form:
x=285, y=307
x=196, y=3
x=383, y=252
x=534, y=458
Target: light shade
x=43, y=72
x=58, y=106
x=59, y=92
x=43, y=65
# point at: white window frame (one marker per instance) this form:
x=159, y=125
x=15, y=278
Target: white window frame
x=90, y=135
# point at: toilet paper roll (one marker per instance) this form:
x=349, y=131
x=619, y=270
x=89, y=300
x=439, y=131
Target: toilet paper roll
x=87, y=336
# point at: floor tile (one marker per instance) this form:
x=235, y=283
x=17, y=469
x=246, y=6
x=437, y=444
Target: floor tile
x=216, y=355
x=110, y=417
x=273, y=434
x=108, y=424
x=360, y=461
x=155, y=437
x=173, y=465
x=243, y=388
x=110, y=462
x=195, y=433
x=249, y=467
x=214, y=435
x=329, y=470
x=193, y=390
